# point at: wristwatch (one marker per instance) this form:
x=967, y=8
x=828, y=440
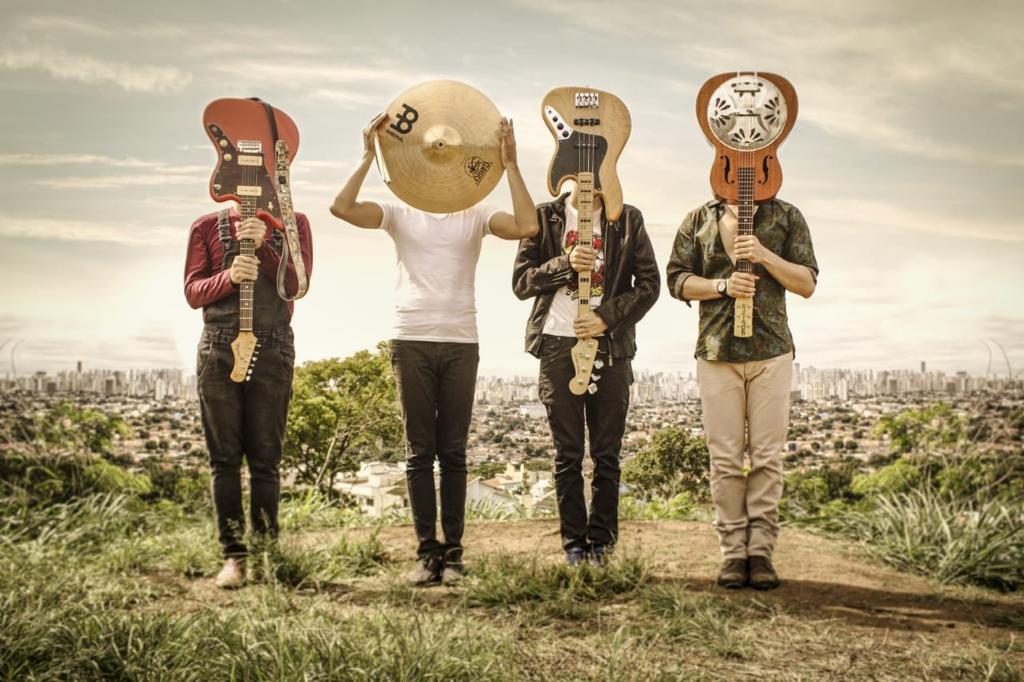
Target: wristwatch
x=722, y=286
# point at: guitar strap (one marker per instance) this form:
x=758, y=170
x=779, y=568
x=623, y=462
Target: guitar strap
x=224, y=232
x=291, y=249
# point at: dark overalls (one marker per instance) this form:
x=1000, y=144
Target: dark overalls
x=245, y=419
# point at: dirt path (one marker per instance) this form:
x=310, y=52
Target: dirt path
x=822, y=578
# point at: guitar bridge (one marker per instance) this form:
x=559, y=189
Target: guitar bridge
x=587, y=100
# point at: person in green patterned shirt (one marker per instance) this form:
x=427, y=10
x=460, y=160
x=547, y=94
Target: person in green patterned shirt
x=744, y=382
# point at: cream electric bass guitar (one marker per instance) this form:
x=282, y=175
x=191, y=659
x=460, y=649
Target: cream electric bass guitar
x=590, y=128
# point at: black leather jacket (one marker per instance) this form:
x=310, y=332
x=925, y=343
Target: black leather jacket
x=632, y=281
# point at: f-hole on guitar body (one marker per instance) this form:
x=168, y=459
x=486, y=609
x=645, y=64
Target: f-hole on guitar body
x=746, y=116
x=254, y=153
x=590, y=128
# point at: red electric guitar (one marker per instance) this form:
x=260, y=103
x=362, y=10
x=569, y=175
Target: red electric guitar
x=255, y=146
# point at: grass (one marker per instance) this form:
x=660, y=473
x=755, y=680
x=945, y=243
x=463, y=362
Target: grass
x=108, y=586
x=952, y=541
x=552, y=590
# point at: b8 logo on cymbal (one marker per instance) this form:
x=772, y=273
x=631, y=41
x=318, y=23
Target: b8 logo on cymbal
x=405, y=119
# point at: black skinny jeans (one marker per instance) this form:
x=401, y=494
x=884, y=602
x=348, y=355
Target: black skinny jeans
x=245, y=421
x=603, y=414
x=436, y=383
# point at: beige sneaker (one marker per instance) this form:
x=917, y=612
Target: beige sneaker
x=231, y=575
x=427, y=571
x=451, y=575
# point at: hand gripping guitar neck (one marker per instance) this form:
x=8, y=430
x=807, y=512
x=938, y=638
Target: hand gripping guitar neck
x=590, y=128
x=255, y=145
x=746, y=116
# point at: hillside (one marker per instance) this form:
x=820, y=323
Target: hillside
x=656, y=614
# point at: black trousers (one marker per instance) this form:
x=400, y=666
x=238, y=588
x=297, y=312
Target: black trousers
x=603, y=414
x=436, y=383
x=245, y=421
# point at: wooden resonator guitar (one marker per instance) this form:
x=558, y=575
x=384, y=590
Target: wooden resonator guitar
x=590, y=128
x=746, y=116
x=255, y=146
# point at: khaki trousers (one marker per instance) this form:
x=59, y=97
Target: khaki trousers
x=746, y=410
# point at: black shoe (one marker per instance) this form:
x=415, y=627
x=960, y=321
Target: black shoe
x=576, y=556
x=762, y=574
x=600, y=554
x=734, y=574
x=427, y=572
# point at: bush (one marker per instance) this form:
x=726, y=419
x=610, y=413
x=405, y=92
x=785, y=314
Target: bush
x=103, y=477
x=899, y=477
x=673, y=462
x=954, y=541
x=681, y=507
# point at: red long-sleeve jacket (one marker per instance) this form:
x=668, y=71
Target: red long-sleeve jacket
x=206, y=281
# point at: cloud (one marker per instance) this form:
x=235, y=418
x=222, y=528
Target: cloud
x=898, y=75
x=90, y=231
x=68, y=66
x=145, y=173
x=30, y=159
x=880, y=215
x=190, y=178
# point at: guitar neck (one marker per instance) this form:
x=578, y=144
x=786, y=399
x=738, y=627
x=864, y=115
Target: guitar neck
x=745, y=210
x=585, y=229
x=246, y=247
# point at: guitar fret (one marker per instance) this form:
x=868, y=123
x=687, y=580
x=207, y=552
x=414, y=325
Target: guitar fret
x=246, y=247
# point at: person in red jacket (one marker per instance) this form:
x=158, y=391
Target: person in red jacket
x=243, y=420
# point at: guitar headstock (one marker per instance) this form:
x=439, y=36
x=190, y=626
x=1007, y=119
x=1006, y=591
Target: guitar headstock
x=590, y=128
x=584, y=357
x=245, y=350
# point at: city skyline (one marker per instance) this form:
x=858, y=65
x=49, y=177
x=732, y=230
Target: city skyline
x=912, y=202
x=808, y=382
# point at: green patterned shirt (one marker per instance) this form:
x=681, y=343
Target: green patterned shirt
x=698, y=250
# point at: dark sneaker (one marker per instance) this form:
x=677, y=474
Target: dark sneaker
x=734, y=574
x=762, y=574
x=576, y=556
x=427, y=571
x=600, y=554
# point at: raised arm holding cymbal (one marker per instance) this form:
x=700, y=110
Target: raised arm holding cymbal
x=441, y=152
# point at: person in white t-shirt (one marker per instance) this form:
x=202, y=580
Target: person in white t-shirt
x=434, y=349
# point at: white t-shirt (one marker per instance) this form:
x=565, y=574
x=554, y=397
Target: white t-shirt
x=564, y=306
x=435, y=297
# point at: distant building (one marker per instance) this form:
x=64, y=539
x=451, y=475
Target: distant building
x=535, y=410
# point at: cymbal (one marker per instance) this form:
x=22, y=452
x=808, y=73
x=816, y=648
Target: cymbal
x=439, y=149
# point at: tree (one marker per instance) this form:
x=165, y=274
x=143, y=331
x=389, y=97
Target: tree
x=488, y=470
x=77, y=429
x=341, y=411
x=919, y=430
x=671, y=463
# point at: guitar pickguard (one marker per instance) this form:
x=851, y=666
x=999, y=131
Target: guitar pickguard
x=236, y=176
x=566, y=162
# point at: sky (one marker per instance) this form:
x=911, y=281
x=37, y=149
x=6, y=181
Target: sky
x=906, y=160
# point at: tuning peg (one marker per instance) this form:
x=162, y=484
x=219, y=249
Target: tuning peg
x=598, y=364
x=592, y=389
x=595, y=377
